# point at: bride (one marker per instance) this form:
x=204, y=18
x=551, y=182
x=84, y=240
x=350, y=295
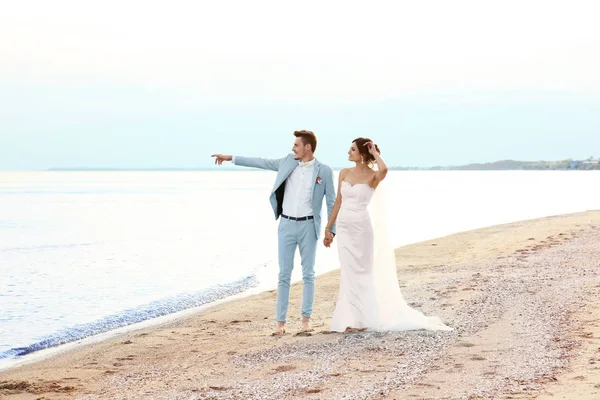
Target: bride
x=369, y=296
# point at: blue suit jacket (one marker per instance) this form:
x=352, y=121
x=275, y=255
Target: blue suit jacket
x=284, y=167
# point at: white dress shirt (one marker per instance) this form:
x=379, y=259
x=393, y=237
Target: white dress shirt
x=297, y=201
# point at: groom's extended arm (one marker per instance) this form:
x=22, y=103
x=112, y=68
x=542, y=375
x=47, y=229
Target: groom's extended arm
x=256, y=162
x=330, y=198
x=253, y=162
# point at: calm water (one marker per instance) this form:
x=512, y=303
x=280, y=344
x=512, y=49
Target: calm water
x=86, y=252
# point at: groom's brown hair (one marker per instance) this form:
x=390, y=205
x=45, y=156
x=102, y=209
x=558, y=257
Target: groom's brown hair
x=308, y=137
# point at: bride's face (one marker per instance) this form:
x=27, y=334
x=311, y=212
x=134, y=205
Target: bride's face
x=353, y=153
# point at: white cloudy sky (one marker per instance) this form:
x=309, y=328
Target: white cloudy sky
x=334, y=50
x=65, y=55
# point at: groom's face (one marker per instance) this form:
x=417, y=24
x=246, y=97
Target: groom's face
x=299, y=149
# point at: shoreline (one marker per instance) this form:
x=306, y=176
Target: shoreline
x=49, y=352
x=225, y=347
x=156, y=322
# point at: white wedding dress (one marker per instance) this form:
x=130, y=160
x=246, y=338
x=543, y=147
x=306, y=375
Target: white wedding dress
x=369, y=295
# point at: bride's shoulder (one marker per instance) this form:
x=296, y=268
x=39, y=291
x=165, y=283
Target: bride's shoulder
x=345, y=171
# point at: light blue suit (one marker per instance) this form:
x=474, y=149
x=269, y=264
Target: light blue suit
x=293, y=234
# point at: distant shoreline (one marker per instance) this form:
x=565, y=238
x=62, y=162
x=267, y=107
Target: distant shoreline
x=512, y=165
x=84, y=169
x=503, y=165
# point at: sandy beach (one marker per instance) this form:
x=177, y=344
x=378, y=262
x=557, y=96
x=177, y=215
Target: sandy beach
x=522, y=299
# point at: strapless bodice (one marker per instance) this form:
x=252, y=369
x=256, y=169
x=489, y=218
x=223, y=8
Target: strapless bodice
x=356, y=197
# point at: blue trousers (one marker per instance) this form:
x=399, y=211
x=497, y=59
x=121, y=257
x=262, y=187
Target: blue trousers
x=293, y=234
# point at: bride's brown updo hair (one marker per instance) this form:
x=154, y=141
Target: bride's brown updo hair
x=364, y=150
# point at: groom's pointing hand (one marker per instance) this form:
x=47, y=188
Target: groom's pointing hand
x=219, y=158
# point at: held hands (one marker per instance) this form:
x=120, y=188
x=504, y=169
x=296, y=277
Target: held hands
x=328, y=239
x=219, y=158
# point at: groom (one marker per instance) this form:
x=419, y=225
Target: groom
x=297, y=196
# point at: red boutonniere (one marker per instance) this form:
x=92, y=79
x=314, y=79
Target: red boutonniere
x=319, y=180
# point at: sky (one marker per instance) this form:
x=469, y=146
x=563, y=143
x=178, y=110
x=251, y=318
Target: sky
x=131, y=84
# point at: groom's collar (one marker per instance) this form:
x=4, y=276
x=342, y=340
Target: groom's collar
x=308, y=163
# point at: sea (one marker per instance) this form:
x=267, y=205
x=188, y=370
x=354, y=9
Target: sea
x=86, y=253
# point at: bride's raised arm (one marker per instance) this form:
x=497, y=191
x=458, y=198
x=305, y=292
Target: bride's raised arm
x=382, y=168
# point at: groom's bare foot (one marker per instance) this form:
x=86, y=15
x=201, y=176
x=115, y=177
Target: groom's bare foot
x=279, y=329
x=306, y=325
